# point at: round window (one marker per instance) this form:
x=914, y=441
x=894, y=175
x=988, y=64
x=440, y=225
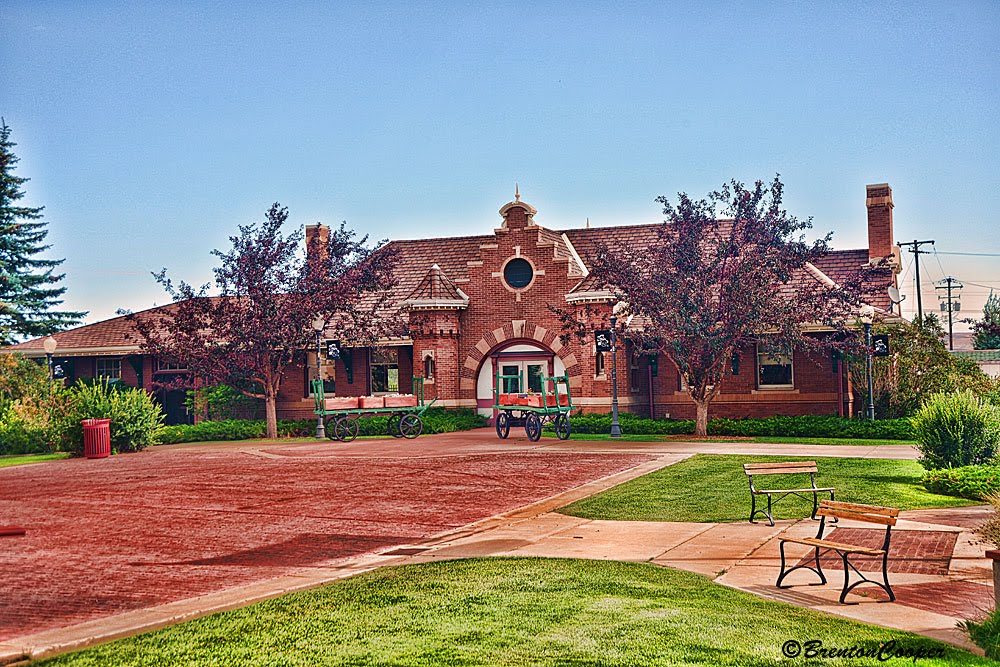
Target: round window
x=518, y=273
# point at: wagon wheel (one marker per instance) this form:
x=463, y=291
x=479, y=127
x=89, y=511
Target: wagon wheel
x=562, y=427
x=410, y=426
x=346, y=429
x=392, y=426
x=503, y=425
x=533, y=427
x=330, y=426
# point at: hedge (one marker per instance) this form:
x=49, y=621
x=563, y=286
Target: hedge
x=436, y=420
x=974, y=482
x=809, y=426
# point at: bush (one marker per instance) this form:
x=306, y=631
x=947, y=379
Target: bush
x=24, y=429
x=985, y=633
x=222, y=403
x=31, y=407
x=436, y=420
x=135, y=419
x=957, y=429
x=809, y=426
x=974, y=482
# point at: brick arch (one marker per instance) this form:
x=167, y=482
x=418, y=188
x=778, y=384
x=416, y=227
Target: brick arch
x=517, y=331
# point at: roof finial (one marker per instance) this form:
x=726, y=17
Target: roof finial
x=517, y=193
x=588, y=222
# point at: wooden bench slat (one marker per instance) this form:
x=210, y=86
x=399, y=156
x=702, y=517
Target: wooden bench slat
x=857, y=507
x=858, y=516
x=794, y=471
x=828, y=544
x=786, y=464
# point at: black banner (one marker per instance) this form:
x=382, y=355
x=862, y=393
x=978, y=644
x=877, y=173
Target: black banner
x=603, y=339
x=880, y=346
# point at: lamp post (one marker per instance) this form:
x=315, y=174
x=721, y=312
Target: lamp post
x=616, y=431
x=318, y=325
x=50, y=345
x=867, y=317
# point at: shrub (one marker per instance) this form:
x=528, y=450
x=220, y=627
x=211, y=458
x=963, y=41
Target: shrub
x=222, y=403
x=957, y=429
x=436, y=420
x=135, y=418
x=32, y=408
x=974, y=482
x=986, y=633
x=24, y=429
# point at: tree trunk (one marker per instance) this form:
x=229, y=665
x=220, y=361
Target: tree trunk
x=701, y=417
x=271, y=414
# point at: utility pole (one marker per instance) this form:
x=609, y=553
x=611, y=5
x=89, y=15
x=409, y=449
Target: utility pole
x=914, y=247
x=950, y=284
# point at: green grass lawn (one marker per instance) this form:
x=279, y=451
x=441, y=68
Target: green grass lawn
x=760, y=438
x=521, y=611
x=20, y=459
x=714, y=488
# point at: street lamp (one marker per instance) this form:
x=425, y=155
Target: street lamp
x=616, y=431
x=318, y=325
x=50, y=345
x=867, y=316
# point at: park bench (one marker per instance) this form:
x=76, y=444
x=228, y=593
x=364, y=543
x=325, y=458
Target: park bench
x=792, y=468
x=885, y=516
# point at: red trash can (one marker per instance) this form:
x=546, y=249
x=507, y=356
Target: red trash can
x=96, y=438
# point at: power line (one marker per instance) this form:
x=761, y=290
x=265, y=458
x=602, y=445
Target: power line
x=970, y=254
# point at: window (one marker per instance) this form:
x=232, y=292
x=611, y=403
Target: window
x=429, y=368
x=599, y=364
x=774, y=371
x=329, y=377
x=384, y=369
x=634, y=373
x=518, y=273
x=110, y=369
x=166, y=366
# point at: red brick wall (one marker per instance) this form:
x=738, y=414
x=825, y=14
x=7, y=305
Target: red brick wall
x=879, y=204
x=461, y=341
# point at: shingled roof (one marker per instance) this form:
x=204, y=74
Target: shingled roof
x=428, y=270
x=115, y=336
x=436, y=290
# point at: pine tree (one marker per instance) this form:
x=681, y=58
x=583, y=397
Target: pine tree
x=29, y=289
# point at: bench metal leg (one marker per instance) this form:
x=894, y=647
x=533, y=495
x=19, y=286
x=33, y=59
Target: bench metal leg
x=818, y=569
x=832, y=519
x=754, y=511
x=848, y=587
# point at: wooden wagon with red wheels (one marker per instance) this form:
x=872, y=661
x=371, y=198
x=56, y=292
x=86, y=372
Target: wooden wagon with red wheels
x=533, y=410
x=341, y=414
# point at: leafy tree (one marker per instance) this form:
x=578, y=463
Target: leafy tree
x=920, y=365
x=986, y=332
x=268, y=296
x=711, y=286
x=28, y=287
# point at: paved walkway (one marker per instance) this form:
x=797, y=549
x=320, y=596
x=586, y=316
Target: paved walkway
x=201, y=528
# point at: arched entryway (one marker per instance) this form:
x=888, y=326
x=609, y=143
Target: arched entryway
x=527, y=358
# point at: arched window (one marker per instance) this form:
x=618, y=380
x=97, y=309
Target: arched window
x=428, y=367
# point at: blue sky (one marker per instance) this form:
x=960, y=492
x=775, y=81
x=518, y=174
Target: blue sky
x=150, y=130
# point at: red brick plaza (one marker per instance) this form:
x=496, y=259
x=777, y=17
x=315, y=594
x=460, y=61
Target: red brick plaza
x=118, y=534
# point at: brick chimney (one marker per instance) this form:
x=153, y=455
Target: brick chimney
x=880, y=240
x=317, y=239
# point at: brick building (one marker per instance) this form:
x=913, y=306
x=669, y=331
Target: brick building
x=478, y=303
